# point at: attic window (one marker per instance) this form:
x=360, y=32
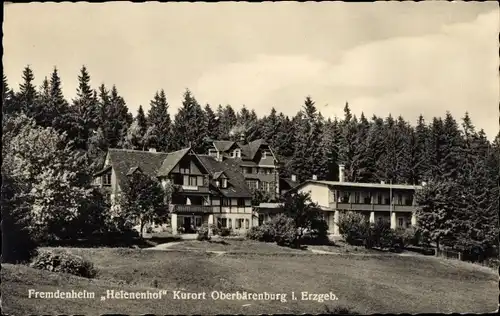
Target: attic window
x=224, y=183
x=237, y=153
x=106, y=179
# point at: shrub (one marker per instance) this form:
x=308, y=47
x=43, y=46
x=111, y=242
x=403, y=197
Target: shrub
x=215, y=230
x=203, y=233
x=60, y=261
x=353, y=227
x=224, y=231
x=285, y=231
x=265, y=233
x=381, y=234
x=405, y=236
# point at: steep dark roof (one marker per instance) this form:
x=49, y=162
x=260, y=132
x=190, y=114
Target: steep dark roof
x=238, y=186
x=171, y=161
x=289, y=183
x=223, y=145
x=122, y=160
x=254, y=146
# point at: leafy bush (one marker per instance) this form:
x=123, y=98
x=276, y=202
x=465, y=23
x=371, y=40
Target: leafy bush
x=353, y=227
x=215, y=230
x=381, y=234
x=203, y=233
x=224, y=231
x=60, y=261
x=285, y=230
x=265, y=233
x=405, y=236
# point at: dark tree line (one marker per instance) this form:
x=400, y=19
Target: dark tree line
x=390, y=149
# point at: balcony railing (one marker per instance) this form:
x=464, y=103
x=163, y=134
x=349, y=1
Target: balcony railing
x=179, y=208
x=373, y=207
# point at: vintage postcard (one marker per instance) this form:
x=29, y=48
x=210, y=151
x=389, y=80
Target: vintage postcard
x=250, y=158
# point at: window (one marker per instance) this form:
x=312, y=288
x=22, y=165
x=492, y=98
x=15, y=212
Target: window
x=357, y=197
x=249, y=169
x=221, y=222
x=400, y=222
x=198, y=221
x=184, y=167
x=409, y=200
x=212, y=152
x=199, y=181
x=106, y=179
x=368, y=198
x=345, y=197
x=387, y=200
x=230, y=223
x=224, y=183
x=237, y=153
x=192, y=181
x=265, y=186
x=241, y=202
x=379, y=198
x=239, y=223
x=243, y=170
x=247, y=223
x=264, y=155
x=399, y=199
x=252, y=184
x=226, y=202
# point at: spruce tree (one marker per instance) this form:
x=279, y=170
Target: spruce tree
x=84, y=111
x=308, y=158
x=159, y=133
x=58, y=108
x=117, y=119
x=7, y=98
x=26, y=98
x=211, y=124
x=189, y=125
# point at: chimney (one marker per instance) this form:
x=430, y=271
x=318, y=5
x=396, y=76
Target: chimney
x=341, y=173
x=152, y=150
x=294, y=178
x=315, y=177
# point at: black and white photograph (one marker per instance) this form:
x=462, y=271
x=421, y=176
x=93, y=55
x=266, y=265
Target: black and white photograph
x=239, y=158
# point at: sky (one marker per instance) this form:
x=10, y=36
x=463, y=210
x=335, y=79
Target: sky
x=403, y=58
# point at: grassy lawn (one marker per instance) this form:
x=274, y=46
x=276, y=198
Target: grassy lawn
x=234, y=245
x=368, y=284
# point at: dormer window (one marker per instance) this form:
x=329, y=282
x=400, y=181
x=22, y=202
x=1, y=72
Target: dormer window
x=237, y=153
x=106, y=179
x=224, y=183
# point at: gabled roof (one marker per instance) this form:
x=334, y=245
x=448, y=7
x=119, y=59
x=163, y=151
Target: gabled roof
x=171, y=161
x=103, y=171
x=132, y=170
x=223, y=145
x=237, y=187
x=248, y=150
x=218, y=174
x=122, y=160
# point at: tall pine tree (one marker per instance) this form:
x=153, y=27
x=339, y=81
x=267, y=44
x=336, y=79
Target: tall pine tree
x=159, y=134
x=189, y=125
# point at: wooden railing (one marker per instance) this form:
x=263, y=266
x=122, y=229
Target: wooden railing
x=178, y=208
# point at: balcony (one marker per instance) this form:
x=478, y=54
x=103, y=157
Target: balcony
x=374, y=207
x=179, y=208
